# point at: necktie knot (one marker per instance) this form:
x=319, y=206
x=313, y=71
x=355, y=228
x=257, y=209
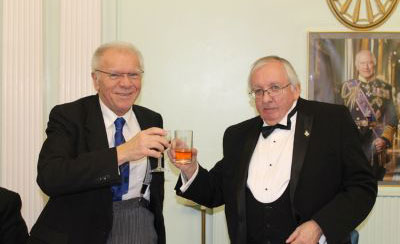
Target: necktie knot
x=119, y=123
x=119, y=137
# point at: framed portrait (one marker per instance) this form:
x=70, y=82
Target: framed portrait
x=361, y=70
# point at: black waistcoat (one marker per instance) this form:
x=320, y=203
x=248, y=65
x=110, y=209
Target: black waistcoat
x=269, y=223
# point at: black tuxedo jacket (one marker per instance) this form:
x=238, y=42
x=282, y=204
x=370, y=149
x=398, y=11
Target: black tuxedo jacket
x=76, y=169
x=331, y=180
x=12, y=225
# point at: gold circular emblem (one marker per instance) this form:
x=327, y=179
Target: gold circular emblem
x=362, y=14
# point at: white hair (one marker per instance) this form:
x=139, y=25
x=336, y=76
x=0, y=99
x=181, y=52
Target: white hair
x=290, y=72
x=365, y=51
x=116, y=45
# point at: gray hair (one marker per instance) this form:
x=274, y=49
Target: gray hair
x=116, y=45
x=365, y=51
x=290, y=72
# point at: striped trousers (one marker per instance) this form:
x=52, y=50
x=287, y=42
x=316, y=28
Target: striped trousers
x=133, y=223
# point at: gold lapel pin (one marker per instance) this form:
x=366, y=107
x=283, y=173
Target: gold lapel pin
x=306, y=133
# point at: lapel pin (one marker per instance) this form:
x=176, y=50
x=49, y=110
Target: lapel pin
x=306, y=133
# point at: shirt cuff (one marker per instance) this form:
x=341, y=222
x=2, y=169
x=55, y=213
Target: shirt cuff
x=322, y=240
x=186, y=183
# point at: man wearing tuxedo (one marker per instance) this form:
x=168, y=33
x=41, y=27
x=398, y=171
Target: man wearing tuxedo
x=12, y=225
x=294, y=174
x=101, y=188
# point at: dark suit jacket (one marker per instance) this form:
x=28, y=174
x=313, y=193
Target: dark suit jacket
x=12, y=225
x=331, y=180
x=76, y=169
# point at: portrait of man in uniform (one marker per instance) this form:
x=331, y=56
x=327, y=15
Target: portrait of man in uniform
x=370, y=102
x=361, y=71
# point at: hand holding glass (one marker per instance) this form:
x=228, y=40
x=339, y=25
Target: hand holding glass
x=160, y=166
x=182, y=146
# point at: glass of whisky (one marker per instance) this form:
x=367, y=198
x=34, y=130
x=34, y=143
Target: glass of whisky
x=182, y=146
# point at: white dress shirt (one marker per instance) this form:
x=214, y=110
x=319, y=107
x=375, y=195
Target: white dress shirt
x=137, y=169
x=271, y=162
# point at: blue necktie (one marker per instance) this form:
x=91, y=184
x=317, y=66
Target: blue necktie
x=121, y=189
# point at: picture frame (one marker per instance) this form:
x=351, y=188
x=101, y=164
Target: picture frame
x=336, y=74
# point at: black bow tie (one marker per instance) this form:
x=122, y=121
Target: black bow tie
x=267, y=130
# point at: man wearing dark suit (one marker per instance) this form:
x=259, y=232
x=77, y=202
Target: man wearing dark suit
x=100, y=187
x=294, y=174
x=12, y=225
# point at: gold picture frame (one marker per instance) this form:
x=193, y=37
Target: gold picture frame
x=332, y=58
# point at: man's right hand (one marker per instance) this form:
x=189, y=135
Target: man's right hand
x=380, y=144
x=147, y=143
x=187, y=169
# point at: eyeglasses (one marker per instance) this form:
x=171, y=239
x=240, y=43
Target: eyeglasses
x=119, y=76
x=273, y=91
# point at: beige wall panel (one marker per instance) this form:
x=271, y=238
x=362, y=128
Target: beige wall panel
x=22, y=101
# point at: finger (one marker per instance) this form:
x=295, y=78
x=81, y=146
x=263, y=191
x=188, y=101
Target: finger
x=188, y=163
x=164, y=142
x=180, y=166
x=154, y=145
x=292, y=237
x=184, y=166
x=159, y=139
x=171, y=156
x=194, y=155
x=153, y=153
x=155, y=131
x=155, y=138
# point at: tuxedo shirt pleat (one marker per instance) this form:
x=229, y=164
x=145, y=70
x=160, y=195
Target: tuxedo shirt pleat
x=270, y=164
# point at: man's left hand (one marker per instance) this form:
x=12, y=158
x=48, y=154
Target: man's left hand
x=307, y=233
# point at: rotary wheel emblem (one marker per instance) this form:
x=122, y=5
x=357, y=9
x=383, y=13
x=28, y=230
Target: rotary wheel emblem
x=362, y=14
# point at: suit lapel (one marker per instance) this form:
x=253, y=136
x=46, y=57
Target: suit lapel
x=302, y=136
x=94, y=127
x=249, y=144
x=144, y=121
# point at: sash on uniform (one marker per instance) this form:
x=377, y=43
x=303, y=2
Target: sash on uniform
x=358, y=96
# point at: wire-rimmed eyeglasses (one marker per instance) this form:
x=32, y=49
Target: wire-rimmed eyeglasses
x=273, y=91
x=119, y=76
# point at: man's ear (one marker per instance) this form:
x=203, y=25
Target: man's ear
x=95, y=81
x=297, y=90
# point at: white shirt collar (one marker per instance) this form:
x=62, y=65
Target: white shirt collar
x=109, y=116
x=284, y=119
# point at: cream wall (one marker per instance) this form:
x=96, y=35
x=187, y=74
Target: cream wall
x=197, y=57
